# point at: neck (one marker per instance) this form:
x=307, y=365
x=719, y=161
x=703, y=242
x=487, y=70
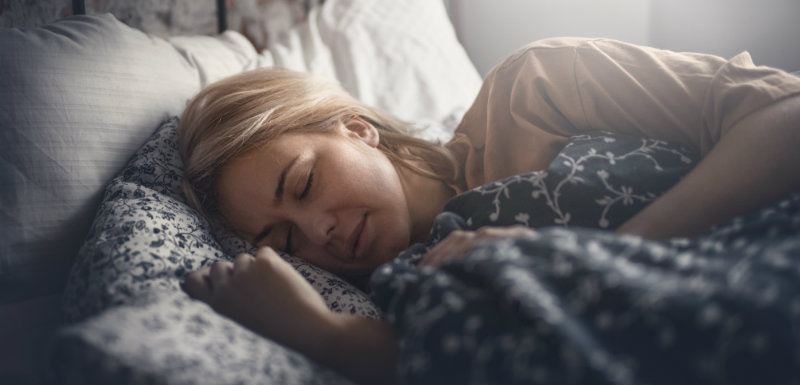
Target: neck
x=426, y=198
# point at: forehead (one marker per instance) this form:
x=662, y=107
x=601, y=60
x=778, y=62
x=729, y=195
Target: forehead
x=264, y=160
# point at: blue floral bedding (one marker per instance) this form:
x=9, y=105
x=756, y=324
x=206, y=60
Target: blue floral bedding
x=575, y=303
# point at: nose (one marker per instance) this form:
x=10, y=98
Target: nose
x=317, y=226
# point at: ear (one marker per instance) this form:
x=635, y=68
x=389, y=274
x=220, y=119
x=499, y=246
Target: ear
x=358, y=128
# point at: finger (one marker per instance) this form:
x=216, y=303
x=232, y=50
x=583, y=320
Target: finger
x=220, y=272
x=443, y=255
x=451, y=247
x=266, y=256
x=487, y=232
x=459, y=242
x=265, y=252
x=443, y=246
x=196, y=285
x=455, y=239
x=503, y=232
x=432, y=256
x=269, y=262
x=242, y=263
x=524, y=231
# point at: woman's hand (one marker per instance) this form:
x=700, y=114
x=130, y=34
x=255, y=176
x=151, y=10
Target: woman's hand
x=265, y=294
x=458, y=242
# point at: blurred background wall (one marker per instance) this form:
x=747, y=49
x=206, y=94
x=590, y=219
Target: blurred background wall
x=491, y=29
x=768, y=29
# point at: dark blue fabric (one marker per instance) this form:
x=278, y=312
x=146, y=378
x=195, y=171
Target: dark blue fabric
x=581, y=305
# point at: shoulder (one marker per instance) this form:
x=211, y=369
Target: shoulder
x=568, y=46
x=576, y=49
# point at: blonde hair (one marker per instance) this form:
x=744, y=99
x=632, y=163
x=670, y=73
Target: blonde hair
x=241, y=113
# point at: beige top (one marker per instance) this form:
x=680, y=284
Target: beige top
x=555, y=88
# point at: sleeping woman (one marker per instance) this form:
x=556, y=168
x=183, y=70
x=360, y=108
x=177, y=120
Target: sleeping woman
x=291, y=163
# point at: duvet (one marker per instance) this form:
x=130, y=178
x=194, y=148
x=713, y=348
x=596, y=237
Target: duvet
x=576, y=303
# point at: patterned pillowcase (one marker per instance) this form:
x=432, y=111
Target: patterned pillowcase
x=172, y=339
x=143, y=241
x=598, y=180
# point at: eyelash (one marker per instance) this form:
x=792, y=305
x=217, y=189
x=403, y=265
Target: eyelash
x=308, y=186
x=302, y=196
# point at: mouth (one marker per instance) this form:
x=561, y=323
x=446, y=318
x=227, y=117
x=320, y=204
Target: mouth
x=355, y=243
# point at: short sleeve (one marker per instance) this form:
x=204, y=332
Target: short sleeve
x=740, y=88
x=691, y=99
x=555, y=88
x=527, y=107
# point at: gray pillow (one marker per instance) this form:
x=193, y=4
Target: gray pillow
x=77, y=97
x=171, y=339
x=124, y=290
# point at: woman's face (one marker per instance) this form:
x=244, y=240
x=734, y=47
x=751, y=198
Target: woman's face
x=333, y=198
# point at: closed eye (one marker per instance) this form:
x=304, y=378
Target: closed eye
x=303, y=194
x=308, y=186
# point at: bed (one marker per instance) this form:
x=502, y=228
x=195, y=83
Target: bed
x=94, y=216
x=80, y=96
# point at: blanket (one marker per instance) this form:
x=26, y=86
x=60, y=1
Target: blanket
x=581, y=304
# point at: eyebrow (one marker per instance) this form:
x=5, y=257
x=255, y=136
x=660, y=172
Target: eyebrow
x=278, y=198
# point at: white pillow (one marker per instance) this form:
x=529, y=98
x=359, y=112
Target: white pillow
x=77, y=98
x=401, y=56
x=217, y=57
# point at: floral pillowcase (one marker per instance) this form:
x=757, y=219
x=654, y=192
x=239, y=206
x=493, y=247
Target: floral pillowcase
x=133, y=322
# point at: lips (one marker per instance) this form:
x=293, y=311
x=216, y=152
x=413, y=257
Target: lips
x=354, y=240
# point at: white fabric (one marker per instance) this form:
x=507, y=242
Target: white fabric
x=401, y=56
x=77, y=98
x=217, y=57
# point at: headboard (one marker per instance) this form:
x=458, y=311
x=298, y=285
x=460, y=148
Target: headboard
x=257, y=20
x=79, y=8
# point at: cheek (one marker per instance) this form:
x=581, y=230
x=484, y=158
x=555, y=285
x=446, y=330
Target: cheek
x=372, y=177
x=238, y=215
x=375, y=171
x=393, y=226
x=385, y=178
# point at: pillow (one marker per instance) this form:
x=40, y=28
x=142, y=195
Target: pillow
x=143, y=241
x=77, y=98
x=172, y=339
x=400, y=56
x=597, y=180
x=216, y=57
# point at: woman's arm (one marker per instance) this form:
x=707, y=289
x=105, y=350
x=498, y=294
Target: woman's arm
x=265, y=294
x=361, y=348
x=754, y=164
